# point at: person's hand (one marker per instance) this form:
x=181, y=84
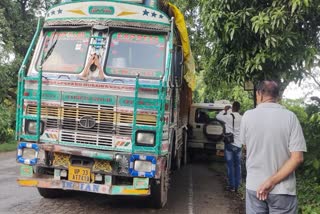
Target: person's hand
x=96, y=60
x=264, y=189
x=226, y=108
x=97, y=63
x=92, y=59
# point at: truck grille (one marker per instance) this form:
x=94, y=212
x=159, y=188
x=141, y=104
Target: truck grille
x=104, y=123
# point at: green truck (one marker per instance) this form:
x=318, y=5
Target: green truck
x=103, y=98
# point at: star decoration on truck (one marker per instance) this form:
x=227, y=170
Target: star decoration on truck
x=146, y=12
x=54, y=12
x=152, y=14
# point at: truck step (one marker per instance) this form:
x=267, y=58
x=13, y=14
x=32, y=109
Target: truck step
x=30, y=98
x=33, y=78
x=146, y=128
x=29, y=137
x=147, y=86
x=30, y=117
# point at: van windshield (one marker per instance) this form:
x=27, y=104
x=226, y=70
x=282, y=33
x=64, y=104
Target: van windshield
x=130, y=54
x=64, y=51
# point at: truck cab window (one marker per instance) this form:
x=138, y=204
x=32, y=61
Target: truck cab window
x=64, y=51
x=131, y=53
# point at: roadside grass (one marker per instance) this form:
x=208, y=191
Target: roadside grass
x=9, y=146
x=308, y=189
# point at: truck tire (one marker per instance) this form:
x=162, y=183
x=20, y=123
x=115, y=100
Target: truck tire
x=159, y=191
x=175, y=156
x=178, y=159
x=185, y=149
x=51, y=193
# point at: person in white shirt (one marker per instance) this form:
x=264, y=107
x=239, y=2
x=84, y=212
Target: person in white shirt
x=232, y=150
x=275, y=144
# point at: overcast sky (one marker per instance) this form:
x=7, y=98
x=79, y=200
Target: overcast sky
x=305, y=90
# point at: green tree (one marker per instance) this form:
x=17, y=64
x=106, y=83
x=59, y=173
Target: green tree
x=251, y=39
x=17, y=25
x=190, y=9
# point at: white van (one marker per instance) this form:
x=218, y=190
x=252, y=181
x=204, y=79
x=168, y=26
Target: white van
x=205, y=132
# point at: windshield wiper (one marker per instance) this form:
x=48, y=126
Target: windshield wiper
x=49, y=52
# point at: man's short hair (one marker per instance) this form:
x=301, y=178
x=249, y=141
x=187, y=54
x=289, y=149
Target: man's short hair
x=235, y=106
x=268, y=88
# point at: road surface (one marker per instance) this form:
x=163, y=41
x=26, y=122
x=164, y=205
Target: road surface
x=195, y=189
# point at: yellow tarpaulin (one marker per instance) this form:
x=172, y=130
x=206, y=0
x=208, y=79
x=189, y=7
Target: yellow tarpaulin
x=189, y=64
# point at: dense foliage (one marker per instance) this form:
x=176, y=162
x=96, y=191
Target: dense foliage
x=18, y=20
x=6, y=123
x=309, y=173
x=260, y=39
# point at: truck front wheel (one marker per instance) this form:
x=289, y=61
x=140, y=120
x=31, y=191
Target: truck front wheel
x=51, y=193
x=159, y=191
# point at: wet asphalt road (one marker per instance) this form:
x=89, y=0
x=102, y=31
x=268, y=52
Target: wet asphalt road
x=195, y=189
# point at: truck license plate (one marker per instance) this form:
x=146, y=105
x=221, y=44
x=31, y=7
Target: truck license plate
x=79, y=174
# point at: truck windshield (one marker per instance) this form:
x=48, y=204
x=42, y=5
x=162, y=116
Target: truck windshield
x=130, y=54
x=64, y=51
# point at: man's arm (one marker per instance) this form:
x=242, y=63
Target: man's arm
x=289, y=166
x=222, y=114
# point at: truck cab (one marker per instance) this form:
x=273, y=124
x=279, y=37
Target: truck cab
x=205, y=132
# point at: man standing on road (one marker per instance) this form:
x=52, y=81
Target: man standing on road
x=275, y=144
x=232, y=150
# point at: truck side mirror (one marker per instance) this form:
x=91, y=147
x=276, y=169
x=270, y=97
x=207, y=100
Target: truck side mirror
x=177, y=67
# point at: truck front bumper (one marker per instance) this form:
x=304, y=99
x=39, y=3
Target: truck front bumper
x=138, y=188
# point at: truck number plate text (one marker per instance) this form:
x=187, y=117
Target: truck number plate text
x=79, y=174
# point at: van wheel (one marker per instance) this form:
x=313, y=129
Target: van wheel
x=51, y=193
x=159, y=191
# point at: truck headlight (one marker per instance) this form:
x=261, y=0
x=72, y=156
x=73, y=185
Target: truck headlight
x=31, y=127
x=142, y=166
x=145, y=138
x=29, y=153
